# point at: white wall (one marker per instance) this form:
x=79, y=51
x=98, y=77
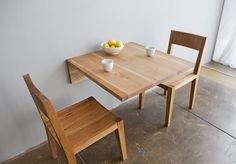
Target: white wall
x=36, y=36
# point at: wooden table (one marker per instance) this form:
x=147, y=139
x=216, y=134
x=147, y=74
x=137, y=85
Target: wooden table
x=133, y=71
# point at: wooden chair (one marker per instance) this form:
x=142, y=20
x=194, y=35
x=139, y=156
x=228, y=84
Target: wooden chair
x=190, y=41
x=78, y=126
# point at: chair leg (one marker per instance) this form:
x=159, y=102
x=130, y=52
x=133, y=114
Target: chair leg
x=71, y=160
x=141, y=100
x=70, y=156
x=52, y=145
x=120, y=133
x=169, y=105
x=193, y=93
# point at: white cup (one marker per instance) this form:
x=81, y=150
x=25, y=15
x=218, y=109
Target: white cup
x=107, y=64
x=150, y=50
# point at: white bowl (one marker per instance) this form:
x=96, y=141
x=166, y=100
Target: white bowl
x=112, y=51
x=107, y=64
x=150, y=50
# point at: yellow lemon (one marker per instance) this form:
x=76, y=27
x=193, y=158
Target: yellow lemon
x=105, y=45
x=112, y=46
x=111, y=42
x=119, y=44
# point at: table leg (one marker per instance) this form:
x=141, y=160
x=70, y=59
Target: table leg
x=169, y=105
x=141, y=100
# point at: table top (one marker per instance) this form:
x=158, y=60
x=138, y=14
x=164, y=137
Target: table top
x=133, y=71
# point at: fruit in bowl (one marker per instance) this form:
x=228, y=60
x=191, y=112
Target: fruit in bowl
x=112, y=47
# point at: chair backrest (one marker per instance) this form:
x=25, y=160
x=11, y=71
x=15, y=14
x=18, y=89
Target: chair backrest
x=49, y=116
x=188, y=40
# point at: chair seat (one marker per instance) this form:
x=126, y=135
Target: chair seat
x=178, y=82
x=86, y=122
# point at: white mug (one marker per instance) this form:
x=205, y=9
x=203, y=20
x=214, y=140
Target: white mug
x=150, y=50
x=107, y=64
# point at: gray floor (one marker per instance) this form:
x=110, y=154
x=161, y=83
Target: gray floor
x=221, y=68
x=204, y=135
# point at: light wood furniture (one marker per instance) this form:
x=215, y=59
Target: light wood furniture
x=171, y=85
x=78, y=126
x=133, y=71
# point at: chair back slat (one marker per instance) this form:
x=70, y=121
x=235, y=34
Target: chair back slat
x=192, y=41
x=40, y=100
x=48, y=116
